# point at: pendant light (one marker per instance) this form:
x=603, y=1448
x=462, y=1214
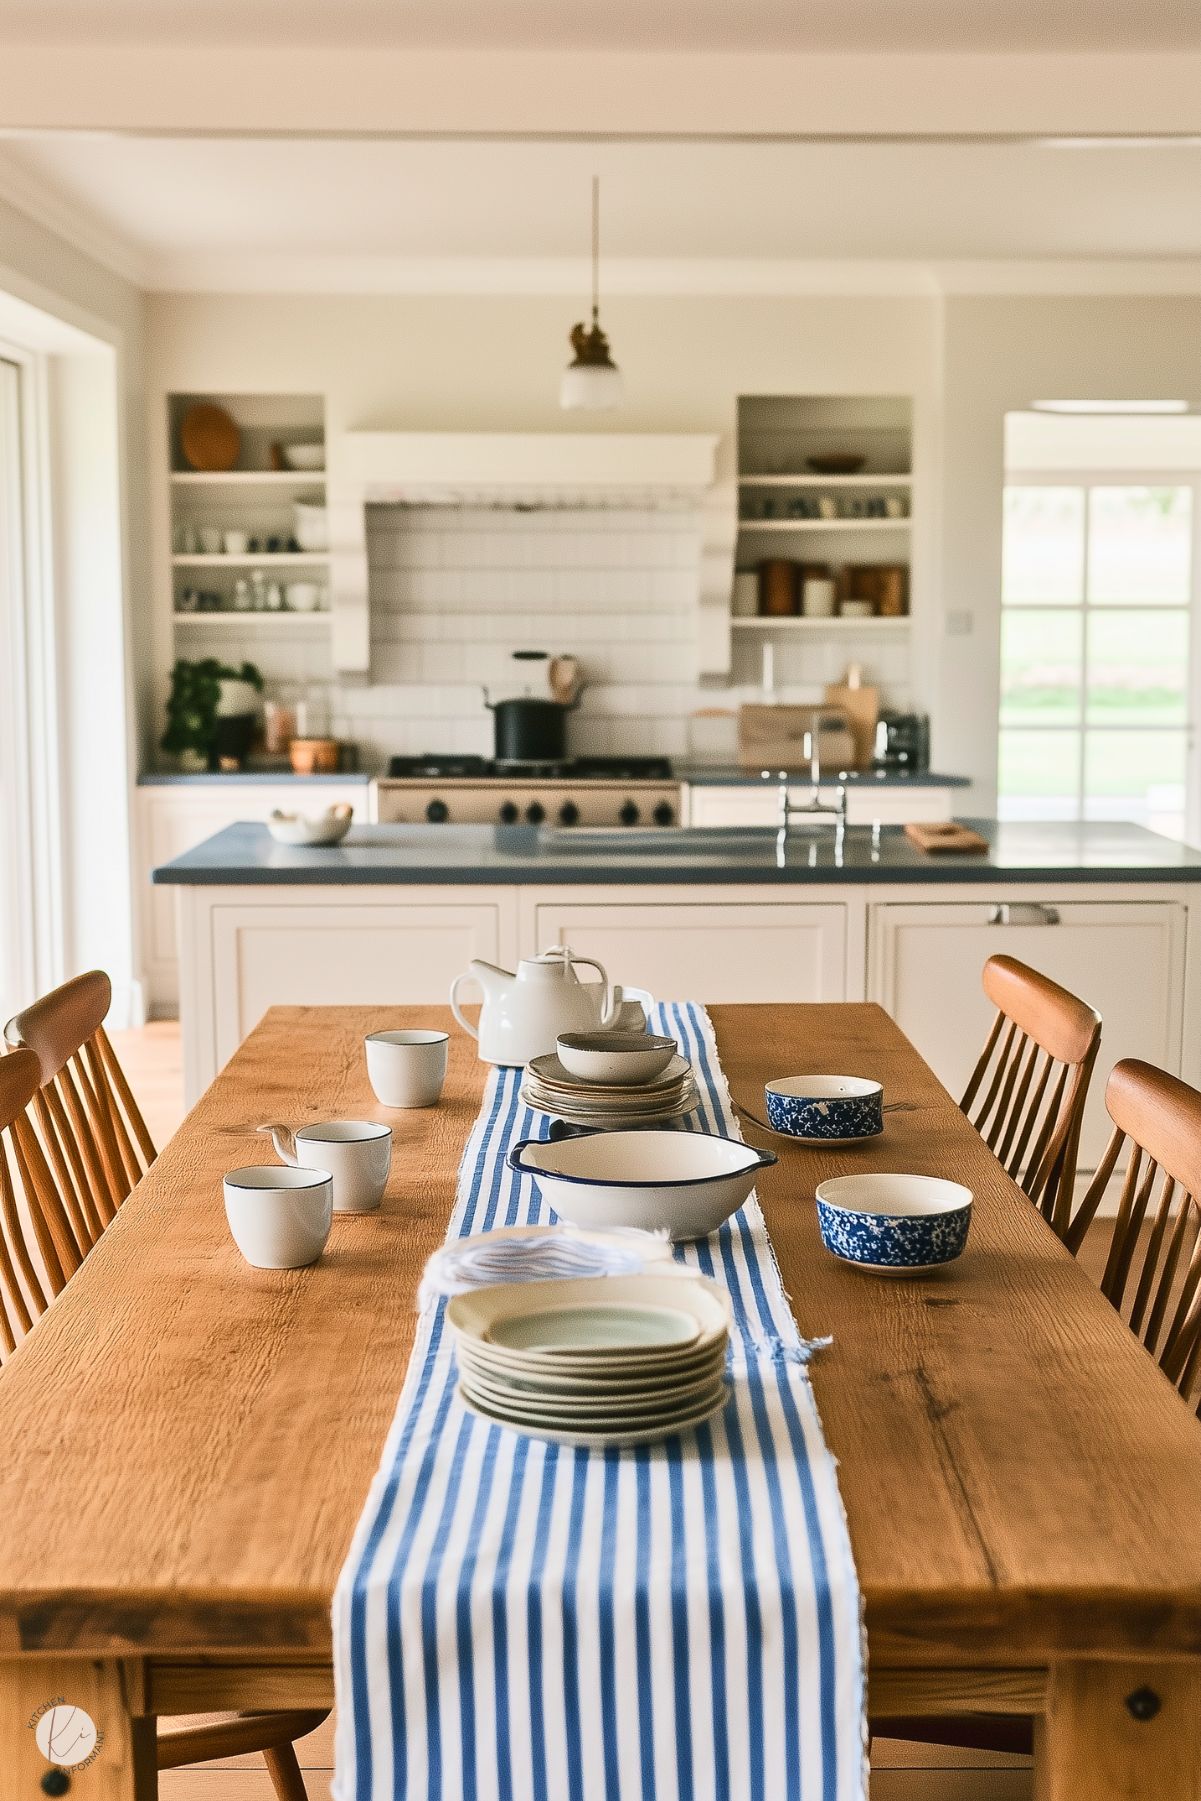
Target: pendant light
x=592, y=380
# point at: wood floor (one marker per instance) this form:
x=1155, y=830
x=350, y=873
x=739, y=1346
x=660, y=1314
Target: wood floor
x=151, y=1057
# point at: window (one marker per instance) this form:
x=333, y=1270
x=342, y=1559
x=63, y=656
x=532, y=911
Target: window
x=1098, y=587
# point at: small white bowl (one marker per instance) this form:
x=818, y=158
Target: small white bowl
x=684, y=1183
x=311, y=830
x=304, y=456
x=624, y=1058
x=304, y=597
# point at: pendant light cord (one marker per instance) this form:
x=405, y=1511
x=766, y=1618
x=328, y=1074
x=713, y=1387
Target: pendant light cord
x=595, y=249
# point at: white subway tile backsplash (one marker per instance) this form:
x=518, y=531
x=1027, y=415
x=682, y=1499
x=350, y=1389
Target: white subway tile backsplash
x=455, y=589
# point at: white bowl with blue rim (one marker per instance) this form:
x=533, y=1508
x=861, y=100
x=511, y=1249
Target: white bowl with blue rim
x=685, y=1183
x=825, y=1109
x=895, y=1225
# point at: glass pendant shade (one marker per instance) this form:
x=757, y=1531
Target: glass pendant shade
x=590, y=387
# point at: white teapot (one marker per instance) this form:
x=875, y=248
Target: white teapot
x=523, y=1014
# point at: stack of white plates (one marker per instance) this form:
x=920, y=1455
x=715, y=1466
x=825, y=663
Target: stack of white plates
x=550, y=1088
x=599, y=1361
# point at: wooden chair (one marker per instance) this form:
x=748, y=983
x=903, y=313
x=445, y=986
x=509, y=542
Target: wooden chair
x=1027, y=1092
x=68, y=1131
x=1153, y=1271
x=95, y=1139
x=1156, y=1241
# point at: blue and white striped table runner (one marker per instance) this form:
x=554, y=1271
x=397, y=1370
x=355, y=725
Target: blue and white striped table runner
x=677, y=1622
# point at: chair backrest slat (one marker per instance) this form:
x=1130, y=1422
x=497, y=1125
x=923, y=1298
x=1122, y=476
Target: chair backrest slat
x=1159, y=1117
x=26, y=1289
x=1033, y=1074
x=72, y=1146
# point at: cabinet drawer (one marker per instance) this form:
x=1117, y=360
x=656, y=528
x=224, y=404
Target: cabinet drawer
x=1126, y=958
x=707, y=952
x=343, y=954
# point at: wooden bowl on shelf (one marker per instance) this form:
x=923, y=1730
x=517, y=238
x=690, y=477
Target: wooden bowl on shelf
x=836, y=463
x=209, y=438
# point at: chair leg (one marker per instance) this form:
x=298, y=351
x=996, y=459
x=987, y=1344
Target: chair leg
x=284, y=1772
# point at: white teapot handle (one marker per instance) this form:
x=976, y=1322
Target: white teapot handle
x=609, y=1005
x=455, y=1008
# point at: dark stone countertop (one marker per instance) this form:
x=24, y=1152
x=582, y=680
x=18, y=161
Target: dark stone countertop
x=244, y=778
x=732, y=775
x=499, y=855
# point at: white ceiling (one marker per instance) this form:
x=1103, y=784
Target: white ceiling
x=176, y=202
x=820, y=25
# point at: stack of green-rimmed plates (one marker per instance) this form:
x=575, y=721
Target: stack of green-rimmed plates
x=597, y=1361
x=550, y=1088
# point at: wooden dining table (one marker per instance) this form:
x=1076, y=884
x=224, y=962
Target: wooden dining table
x=188, y=1442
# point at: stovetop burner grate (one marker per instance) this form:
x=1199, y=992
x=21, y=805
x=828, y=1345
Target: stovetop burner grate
x=485, y=769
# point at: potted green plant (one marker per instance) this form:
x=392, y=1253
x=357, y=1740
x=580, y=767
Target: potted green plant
x=202, y=694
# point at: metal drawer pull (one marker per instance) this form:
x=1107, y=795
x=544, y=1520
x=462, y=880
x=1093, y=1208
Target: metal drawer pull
x=1023, y=913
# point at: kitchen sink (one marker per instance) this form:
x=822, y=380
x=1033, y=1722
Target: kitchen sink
x=668, y=841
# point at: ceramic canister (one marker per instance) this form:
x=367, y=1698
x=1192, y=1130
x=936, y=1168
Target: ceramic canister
x=831, y=1108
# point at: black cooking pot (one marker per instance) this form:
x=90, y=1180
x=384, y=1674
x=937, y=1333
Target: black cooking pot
x=529, y=730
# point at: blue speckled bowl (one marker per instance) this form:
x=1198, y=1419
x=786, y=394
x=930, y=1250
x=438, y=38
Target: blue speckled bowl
x=830, y=1109
x=894, y=1224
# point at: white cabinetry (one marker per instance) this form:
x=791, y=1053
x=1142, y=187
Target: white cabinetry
x=175, y=817
x=371, y=947
x=687, y=946
x=1127, y=957
x=758, y=803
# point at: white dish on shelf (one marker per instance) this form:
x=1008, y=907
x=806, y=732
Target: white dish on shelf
x=304, y=456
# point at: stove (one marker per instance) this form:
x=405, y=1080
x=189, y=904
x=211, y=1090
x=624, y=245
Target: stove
x=450, y=790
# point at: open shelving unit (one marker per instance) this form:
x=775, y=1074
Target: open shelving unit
x=777, y=437
x=256, y=498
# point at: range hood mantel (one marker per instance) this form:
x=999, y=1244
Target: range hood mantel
x=514, y=469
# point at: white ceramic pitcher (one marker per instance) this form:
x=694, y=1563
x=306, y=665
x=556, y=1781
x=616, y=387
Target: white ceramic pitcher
x=524, y=1013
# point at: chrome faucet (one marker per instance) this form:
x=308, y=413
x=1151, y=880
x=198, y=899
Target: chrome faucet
x=815, y=810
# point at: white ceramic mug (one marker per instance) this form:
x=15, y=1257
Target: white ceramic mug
x=279, y=1218
x=356, y=1152
x=236, y=544
x=407, y=1069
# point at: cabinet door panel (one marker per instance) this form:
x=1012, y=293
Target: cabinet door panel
x=1126, y=958
x=706, y=952
x=176, y=819
x=342, y=955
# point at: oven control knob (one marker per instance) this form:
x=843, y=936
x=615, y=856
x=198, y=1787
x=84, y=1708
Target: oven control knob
x=535, y=812
x=628, y=813
x=437, y=812
x=569, y=813
x=664, y=814
x=509, y=812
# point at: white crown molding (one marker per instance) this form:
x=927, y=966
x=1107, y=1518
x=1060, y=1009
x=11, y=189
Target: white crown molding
x=361, y=88
x=226, y=273
x=75, y=225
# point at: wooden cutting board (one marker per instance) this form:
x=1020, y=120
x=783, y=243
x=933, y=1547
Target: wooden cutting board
x=945, y=835
x=774, y=737
x=862, y=708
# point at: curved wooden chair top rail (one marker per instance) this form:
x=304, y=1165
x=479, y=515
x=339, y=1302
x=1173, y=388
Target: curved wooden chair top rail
x=93, y=1134
x=1027, y=1092
x=1153, y=1272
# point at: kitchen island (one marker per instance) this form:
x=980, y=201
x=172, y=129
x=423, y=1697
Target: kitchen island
x=394, y=913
